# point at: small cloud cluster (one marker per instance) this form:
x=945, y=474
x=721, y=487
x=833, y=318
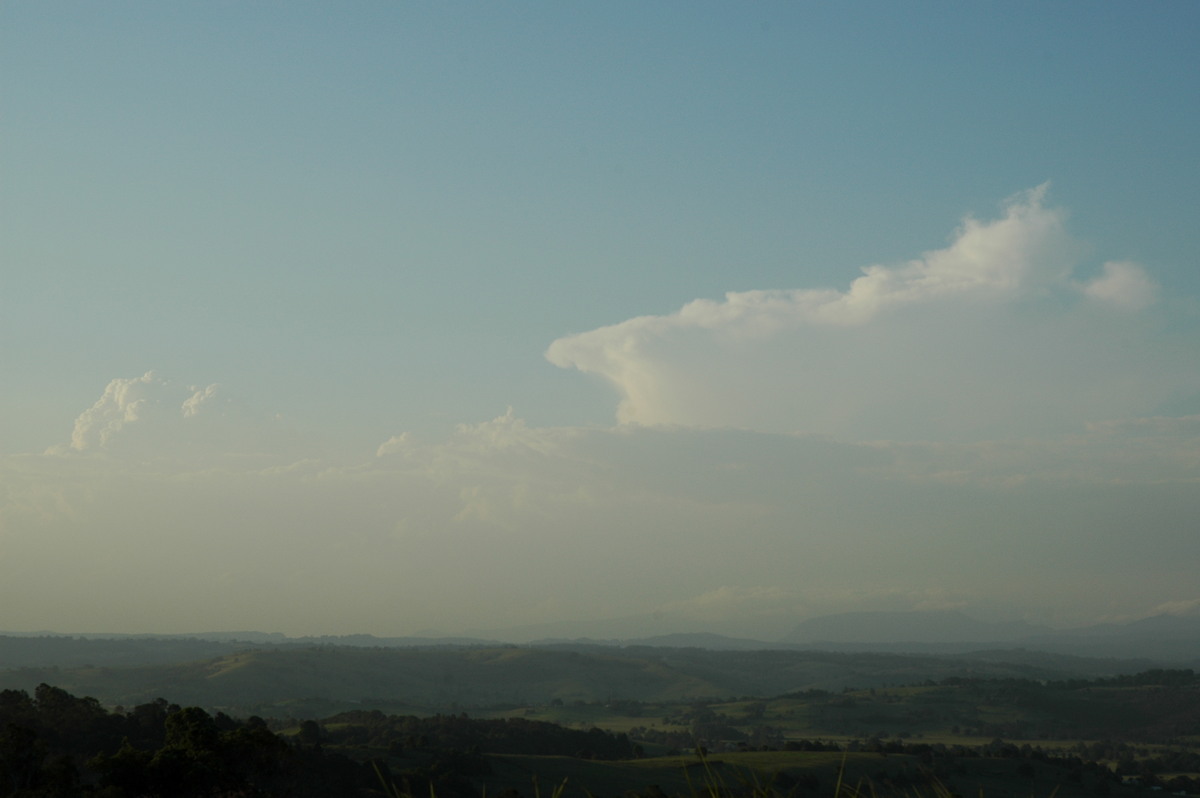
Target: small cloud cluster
x=150, y=417
x=142, y=401
x=989, y=336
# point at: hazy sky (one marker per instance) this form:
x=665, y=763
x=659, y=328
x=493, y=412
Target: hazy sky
x=395, y=317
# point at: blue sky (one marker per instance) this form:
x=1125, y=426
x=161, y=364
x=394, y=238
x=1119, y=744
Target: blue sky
x=376, y=227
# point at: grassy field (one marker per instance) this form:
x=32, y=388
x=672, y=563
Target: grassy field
x=963, y=714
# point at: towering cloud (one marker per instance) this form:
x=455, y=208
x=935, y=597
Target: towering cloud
x=129, y=406
x=991, y=335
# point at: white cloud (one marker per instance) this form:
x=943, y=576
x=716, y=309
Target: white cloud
x=1185, y=607
x=199, y=401
x=507, y=432
x=1124, y=286
x=153, y=417
x=394, y=445
x=124, y=402
x=987, y=337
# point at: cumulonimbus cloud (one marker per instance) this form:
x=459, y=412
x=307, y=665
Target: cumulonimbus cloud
x=990, y=335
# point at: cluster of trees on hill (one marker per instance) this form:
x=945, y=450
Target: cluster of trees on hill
x=55, y=745
x=1159, y=705
x=1131, y=763
x=1155, y=677
x=400, y=733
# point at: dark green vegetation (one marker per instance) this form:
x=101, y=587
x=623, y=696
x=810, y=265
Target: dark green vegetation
x=608, y=721
x=55, y=744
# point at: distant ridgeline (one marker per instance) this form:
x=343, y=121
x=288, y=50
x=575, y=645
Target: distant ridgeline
x=320, y=680
x=1160, y=677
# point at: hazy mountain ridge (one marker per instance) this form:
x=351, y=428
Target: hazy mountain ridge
x=1159, y=639
x=932, y=626
x=285, y=681
x=1169, y=639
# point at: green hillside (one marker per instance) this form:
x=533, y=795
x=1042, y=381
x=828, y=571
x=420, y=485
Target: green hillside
x=323, y=680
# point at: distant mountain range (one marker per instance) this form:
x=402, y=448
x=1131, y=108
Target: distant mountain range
x=1166, y=639
x=320, y=680
x=892, y=628
x=267, y=673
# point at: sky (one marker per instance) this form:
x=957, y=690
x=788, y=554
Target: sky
x=613, y=318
